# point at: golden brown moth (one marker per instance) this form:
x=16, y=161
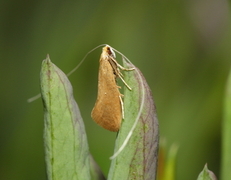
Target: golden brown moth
x=108, y=110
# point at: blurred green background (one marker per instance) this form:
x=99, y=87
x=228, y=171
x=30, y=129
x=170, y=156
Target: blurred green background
x=182, y=48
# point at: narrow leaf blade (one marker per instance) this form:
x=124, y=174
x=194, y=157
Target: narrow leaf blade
x=226, y=134
x=170, y=166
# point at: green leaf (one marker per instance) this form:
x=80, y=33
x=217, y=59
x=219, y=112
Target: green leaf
x=206, y=174
x=138, y=158
x=65, y=141
x=226, y=134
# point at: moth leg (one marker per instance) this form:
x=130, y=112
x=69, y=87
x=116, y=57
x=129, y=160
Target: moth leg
x=125, y=69
x=124, y=82
x=122, y=106
x=121, y=67
x=115, y=65
x=120, y=72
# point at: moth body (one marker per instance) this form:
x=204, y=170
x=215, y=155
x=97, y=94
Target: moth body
x=108, y=109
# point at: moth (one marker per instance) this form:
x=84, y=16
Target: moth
x=108, y=110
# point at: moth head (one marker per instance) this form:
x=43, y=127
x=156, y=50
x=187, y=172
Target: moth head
x=109, y=51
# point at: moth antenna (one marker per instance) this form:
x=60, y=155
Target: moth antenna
x=139, y=113
x=34, y=98
x=122, y=106
x=73, y=70
x=68, y=74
